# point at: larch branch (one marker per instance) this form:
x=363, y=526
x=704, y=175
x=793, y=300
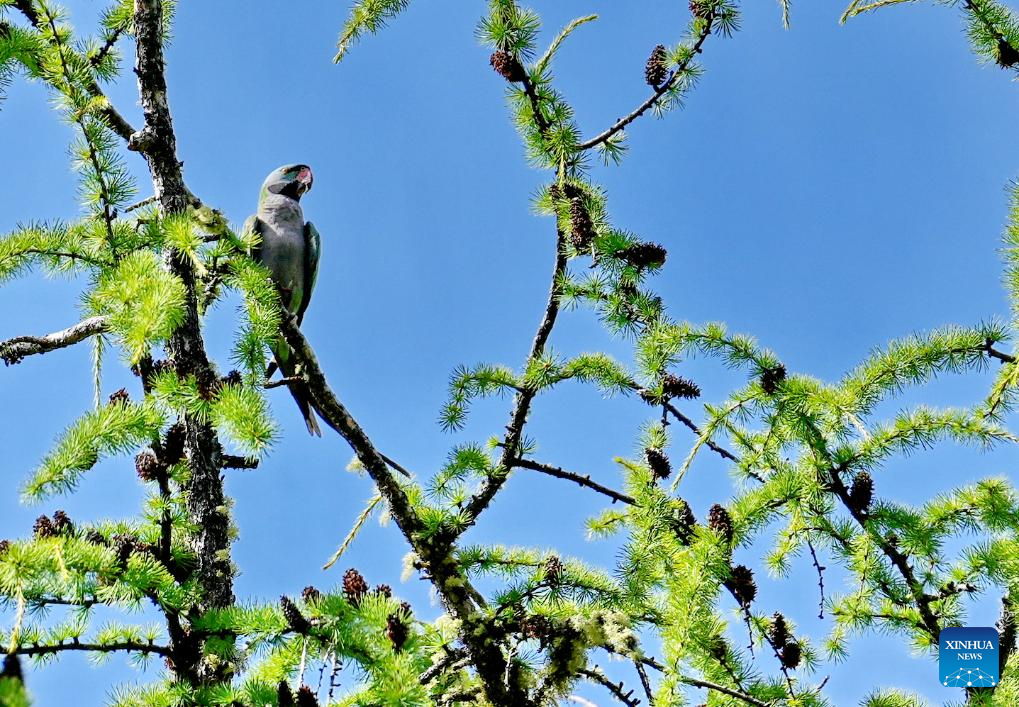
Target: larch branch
x=14, y=350
x=123, y=646
x=576, y=478
x=659, y=92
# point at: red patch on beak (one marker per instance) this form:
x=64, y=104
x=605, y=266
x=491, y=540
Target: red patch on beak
x=305, y=178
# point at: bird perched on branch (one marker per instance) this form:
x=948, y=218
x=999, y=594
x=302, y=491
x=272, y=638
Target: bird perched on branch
x=290, y=250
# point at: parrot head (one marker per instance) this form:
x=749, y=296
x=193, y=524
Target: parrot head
x=291, y=180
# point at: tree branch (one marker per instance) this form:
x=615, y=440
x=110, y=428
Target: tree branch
x=645, y=682
x=523, y=398
x=434, y=552
x=14, y=350
x=617, y=689
x=127, y=646
x=721, y=451
x=203, y=490
x=673, y=79
x=584, y=481
x=706, y=684
x=232, y=461
x=899, y=560
x=113, y=118
x=722, y=689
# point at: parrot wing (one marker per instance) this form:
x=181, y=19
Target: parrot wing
x=253, y=224
x=312, y=251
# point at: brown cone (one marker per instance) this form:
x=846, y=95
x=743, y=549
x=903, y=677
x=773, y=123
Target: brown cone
x=655, y=69
x=507, y=66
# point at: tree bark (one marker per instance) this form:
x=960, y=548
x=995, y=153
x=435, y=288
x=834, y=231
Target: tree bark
x=203, y=491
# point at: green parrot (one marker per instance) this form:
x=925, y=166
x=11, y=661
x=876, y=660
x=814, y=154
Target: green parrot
x=290, y=250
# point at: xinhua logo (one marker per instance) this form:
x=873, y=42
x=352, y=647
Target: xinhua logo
x=968, y=657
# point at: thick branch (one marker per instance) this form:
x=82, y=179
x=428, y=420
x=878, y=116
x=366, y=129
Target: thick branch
x=457, y=594
x=1001, y=356
x=582, y=480
x=203, y=492
x=232, y=461
x=14, y=350
x=339, y=418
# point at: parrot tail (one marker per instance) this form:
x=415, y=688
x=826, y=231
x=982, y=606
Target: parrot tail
x=301, y=397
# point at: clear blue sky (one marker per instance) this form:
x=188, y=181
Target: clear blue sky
x=827, y=188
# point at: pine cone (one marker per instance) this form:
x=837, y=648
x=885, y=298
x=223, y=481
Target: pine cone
x=507, y=66
x=553, y=570
x=536, y=626
x=125, y=546
x=720, y=521
x=659, y=463
x=5, y=545
x=96, y=538
x=405, y=608
x=295, y=619
x=862, y=492
x=581, y=227
x=778, y=632
x=678, y=387
x=718, y=648
x=232, y=378
x=310, y=594
x=741, y=583
x=62, y=523
x=120, y=397
x=173, y=444
x=790, y=654
x=147, y=466
x=385, y=590
x=43, y=527
x=284, y=697
x=682, y=520
x=354, y=586
x=1007, y=55
x=12, y=668
x=642, y=255
x=771, y=377
x=208, y=384
x=655, y=69
x=397, y=631
x=306, y=698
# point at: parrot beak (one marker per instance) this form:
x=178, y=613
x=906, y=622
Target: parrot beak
x=305, y=179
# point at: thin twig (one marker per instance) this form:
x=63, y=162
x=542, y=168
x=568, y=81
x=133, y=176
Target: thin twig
x=523, y=399
x=820, y=576
x=673, y=79
x=129, y=646
x=280, y=382
x=645, y=682
x=582, y=480
x=721, y=451
x=708, y=685
x=617, y=689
